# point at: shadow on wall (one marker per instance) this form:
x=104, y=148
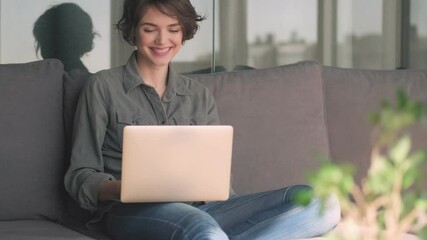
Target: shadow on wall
x=64, y=32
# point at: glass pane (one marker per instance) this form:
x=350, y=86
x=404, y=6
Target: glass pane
x=418, y=34
x=359, y=33
x=259, y=34
x=287, y=34
x=63, y=32
x=196, y=54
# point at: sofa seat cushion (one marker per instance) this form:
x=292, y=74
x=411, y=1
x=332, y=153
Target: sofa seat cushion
x=37, y=230
x=32, y=141
x=279, y=123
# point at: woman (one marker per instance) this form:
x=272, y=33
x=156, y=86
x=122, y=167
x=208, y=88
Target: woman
x=146, y=91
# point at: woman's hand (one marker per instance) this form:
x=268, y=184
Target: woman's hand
x=109, y=190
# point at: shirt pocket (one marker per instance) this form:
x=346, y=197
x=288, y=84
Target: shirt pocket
x=125, y=118
x=189, y=120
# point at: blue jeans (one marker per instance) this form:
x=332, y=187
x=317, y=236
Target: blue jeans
x=266, y=215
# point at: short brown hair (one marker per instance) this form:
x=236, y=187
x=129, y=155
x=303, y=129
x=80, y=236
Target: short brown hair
x=133, y=10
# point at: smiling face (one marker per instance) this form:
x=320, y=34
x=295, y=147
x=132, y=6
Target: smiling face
x=158, y=38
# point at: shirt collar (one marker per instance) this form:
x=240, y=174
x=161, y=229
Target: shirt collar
x=175, y=84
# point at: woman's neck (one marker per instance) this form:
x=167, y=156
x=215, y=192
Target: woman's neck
x=155, y=77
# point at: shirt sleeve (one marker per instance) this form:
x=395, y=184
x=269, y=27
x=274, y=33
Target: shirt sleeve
x=85, y=173
x=212, y=117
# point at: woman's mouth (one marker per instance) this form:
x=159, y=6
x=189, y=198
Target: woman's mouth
x=161, y=51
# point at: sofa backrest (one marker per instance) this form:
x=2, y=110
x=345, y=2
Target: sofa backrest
x=351, y=95
x=279, y=123
x=74, y=82
x=31, y=140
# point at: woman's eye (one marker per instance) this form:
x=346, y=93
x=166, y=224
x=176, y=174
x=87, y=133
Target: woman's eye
x=147, y=30
x=174, y=30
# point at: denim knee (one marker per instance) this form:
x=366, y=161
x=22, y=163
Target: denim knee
x=329, y=211
x=199, y=225
x=174, y=221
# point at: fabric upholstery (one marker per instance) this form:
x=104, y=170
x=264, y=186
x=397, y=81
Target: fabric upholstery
x=283, y=117
x=279, y=123
x=37, y=230
x=73, y=83
x=351, y=95
x=31, y=140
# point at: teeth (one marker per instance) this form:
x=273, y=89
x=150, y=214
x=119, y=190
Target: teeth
x=161, y=50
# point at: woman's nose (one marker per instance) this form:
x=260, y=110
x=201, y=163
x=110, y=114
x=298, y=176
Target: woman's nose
x=161, y=37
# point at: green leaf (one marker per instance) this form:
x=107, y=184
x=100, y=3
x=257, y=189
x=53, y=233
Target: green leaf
x=381, y=176
x=421, y=204
x=332, y=178
x=400, y=151
x=401, y=98
x=412, y=168
x=422, y=234
x=303, y=197
x=409, y=177
x=409, y=200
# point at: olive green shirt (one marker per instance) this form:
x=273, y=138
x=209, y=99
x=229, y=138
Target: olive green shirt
x=118, y=97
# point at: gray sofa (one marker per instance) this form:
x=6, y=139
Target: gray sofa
x=283, y=118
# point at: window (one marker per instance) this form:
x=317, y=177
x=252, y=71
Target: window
x=417, y=33
x=241, y=34
x=266, y=33
x=17, y=22
x=359, y=34
x=286, y=33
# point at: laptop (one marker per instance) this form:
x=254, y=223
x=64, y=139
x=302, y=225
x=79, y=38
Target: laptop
x=176, y=163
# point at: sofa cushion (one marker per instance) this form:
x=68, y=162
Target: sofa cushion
x=351, y=95
x=31, y=140
x=73, y=84
x=279, y=123
x=37, y=230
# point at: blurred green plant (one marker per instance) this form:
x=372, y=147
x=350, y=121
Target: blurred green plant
x=392, y=199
